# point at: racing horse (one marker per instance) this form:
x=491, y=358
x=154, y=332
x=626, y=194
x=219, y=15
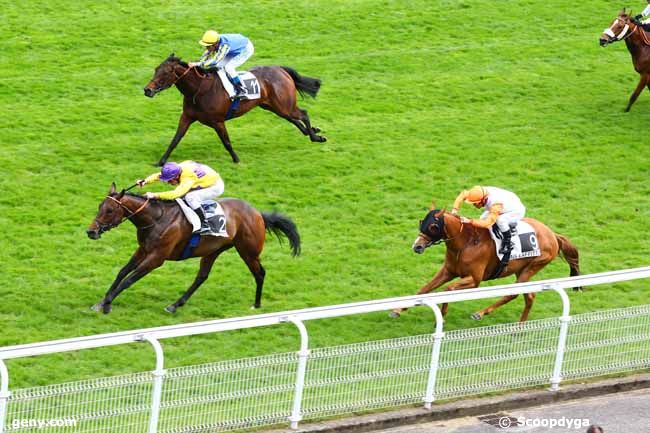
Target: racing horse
x=206, y=100
x=625, y=28
x=471, y=255
x=163, y=234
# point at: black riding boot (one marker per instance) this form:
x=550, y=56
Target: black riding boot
x=506, y=243
x=199, y=211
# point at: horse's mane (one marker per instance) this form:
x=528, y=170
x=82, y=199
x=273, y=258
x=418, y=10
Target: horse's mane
x=173, y=59
x=154, y=200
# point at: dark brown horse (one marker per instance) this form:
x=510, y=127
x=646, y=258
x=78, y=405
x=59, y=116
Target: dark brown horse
x=206, y=100
x=163, y=234
x=625, y=28
x=471, y=255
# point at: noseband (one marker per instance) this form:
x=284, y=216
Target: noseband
x=623, y=33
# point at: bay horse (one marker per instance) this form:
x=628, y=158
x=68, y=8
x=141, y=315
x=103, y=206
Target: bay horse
x=163, y=233
x=206, y=100
x=625, y=28
x=471, y=256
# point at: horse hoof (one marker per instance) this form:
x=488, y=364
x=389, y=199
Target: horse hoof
x=394, y=314
x=476, y=316
x=323, y=139
x=170, y=309
x=315, y=129
x=107, y=308
x=97, y=307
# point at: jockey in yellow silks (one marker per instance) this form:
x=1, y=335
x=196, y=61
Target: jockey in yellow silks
x=502, y=208
x=196, y=182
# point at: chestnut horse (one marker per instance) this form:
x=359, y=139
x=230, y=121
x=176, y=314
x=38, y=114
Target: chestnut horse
x=625, y=28
x=471, y=255
x=206, y=100
x=164, y=232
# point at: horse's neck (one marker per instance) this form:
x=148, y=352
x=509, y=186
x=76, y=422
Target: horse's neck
x=193, y=84
x=145, y=213
x=638, y=41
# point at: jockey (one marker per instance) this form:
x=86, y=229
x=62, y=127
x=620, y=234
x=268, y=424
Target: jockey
x=226, y=51
x=643, y=19
x=502, y=208
x=197, y=182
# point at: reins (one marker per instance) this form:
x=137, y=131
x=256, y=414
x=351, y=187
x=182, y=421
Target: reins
x=132, y=213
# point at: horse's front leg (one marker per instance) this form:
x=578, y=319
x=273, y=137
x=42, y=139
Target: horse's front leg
x=438, y=280
x=204, y=271
x=639, y=88
x=463, y=283
x=220, y=127
x=183, y=124
x=143, y=268
x=131, y=265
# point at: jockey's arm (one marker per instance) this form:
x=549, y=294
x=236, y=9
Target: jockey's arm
x=491, y=217
x=152, y=178
x=646, y=11
x=183, y=188
x=459, y=201
x=211, y=60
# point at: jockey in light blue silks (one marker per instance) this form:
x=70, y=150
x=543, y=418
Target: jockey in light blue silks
x=226, y=51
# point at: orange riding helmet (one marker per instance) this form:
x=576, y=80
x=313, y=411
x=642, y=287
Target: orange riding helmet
x=476, y=195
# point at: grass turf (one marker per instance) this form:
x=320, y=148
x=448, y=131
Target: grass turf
x=419, y=100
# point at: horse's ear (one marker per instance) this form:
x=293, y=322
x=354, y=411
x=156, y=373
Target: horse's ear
x=121, y=194
x=113, y=189
x=433, y=204
x=439, y=213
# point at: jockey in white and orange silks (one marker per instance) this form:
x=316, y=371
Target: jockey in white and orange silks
x=502, y=208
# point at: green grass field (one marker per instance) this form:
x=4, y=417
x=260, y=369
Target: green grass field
x=420, y=99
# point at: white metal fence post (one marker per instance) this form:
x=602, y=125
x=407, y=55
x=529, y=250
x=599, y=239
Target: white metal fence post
x=303, y=354
x=4, y=393
x=561, y=344
x=159, y=375
x=429, y=397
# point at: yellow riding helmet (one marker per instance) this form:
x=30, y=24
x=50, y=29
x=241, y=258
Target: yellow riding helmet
x=476, y=194
x=210, y=37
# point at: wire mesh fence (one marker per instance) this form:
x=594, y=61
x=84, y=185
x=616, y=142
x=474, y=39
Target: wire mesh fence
x=240, y=394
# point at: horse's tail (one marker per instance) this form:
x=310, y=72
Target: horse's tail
x=570, y=253
x=282, y=225
x=304, y=84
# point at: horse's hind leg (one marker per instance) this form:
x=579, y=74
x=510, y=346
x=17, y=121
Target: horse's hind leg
x=220, y=127
x=258, y=272
x=204, y=271
x=311, y=130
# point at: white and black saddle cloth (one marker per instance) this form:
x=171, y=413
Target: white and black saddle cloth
x=214, y=215
x=249, y=81
x=524, y=242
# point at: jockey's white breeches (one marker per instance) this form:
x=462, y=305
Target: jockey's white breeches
x=196, y=197
x=504, y=220
x=230, y=63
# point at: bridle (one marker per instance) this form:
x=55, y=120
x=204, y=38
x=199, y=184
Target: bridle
x=623, y=34
x=443, y=238
x=105, y=227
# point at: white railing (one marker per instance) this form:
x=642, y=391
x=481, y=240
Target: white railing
x=328, y=381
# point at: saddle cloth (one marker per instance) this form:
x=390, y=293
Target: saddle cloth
x=525, y=242
x=214, y=215
x=248, y=80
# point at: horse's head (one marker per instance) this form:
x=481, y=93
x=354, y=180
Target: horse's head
x=432, y=230
x=618, y=30
x=164, y=76
x=111, y=213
